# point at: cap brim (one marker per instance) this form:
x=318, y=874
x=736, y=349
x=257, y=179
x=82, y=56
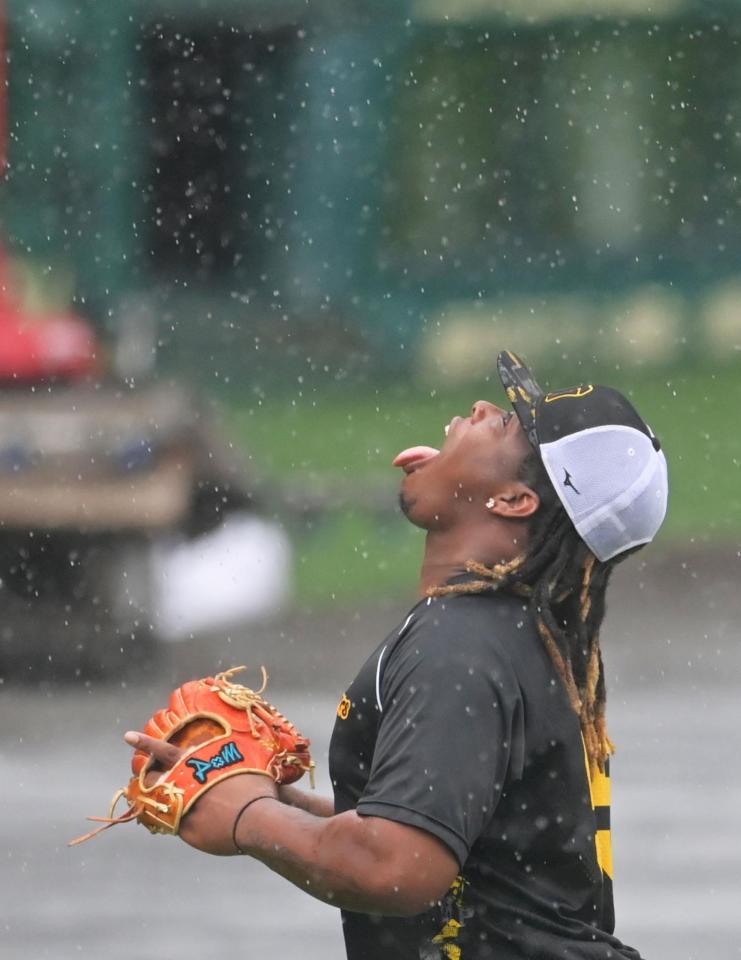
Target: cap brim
x=523, y=391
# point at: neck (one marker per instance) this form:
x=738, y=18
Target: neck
x=448, y=551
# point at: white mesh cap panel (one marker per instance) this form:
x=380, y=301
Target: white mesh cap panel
x=613, y=485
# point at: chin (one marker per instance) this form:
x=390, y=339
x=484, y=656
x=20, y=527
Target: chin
x=406, y=505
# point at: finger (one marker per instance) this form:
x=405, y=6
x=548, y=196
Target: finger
x=165, y=753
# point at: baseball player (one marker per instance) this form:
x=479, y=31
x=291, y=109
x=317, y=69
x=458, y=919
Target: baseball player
x=470, y=755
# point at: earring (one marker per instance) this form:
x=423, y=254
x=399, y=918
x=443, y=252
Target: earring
x=490, y=503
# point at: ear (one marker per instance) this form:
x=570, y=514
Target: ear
x=515, y=501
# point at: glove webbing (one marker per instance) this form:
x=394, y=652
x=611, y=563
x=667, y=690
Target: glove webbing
x=110, y=821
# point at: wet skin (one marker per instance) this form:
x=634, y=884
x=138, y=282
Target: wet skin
x=479, y=460
x=470, y=501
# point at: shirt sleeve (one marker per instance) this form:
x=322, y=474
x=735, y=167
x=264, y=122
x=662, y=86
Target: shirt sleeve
x=449, y=704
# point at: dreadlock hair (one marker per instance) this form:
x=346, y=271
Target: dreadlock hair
x=566, y=586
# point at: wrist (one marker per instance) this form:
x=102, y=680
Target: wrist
x=289, y=795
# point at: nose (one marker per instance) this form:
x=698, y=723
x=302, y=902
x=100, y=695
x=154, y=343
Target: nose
x=482, y=409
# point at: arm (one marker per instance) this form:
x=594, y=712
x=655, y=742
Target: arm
x=293, y=797
x=366, y=864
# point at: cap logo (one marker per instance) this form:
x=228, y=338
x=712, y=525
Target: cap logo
x=576, y=394
x=568, y=481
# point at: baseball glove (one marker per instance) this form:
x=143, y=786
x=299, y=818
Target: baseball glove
x=224, y=729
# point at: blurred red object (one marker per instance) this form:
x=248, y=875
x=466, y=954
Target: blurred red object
x=33, y=345
x=36, y=346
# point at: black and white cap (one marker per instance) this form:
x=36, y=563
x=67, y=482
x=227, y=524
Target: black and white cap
x=603, y=460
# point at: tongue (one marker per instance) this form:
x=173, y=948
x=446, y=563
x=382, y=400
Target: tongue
x=413, y=455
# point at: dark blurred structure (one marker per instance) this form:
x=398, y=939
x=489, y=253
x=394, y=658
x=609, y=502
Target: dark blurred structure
x=118, y=495
x=94, y=479
x=262, y=172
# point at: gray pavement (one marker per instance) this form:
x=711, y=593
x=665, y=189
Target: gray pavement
x=674, y=665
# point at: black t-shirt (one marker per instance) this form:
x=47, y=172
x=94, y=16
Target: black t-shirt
x=458, y=724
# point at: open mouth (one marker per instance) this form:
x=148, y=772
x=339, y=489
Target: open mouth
x=413, y=457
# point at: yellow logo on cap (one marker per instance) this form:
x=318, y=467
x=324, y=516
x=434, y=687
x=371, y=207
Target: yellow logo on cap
x=576, y=394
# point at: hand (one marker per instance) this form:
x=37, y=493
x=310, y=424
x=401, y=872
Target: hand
x=209, y=824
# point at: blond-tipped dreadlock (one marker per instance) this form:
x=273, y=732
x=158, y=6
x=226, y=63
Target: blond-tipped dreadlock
x=566, y=586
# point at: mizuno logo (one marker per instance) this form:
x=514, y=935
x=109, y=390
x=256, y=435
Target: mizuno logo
x=228, y=755
x=568, y=482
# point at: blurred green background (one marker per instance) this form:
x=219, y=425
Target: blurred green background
x=330, y=218
x=346, y=441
